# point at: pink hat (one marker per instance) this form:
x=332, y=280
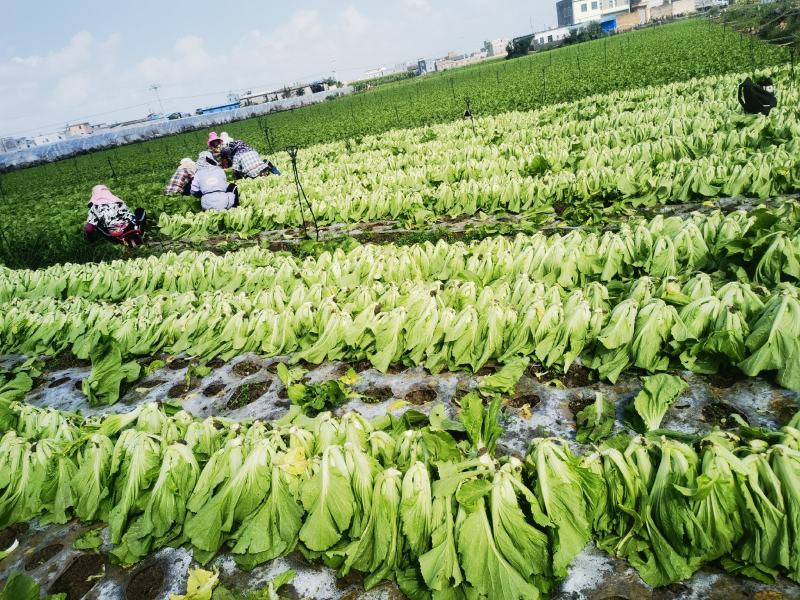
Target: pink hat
x=102, y=195
x=213, y=137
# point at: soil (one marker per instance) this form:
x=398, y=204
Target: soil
x=362, y=365
x=75, y=581
x=421, y=396
x=58, y=382
x=66, y=360
x=283, y=394
x=559, y=207
x=178, y=364
x=149, y=385
x=9, y=534
x=579, y=402
x=246, y=369
x=180, y=390
x=485, y=370
x=214, y=389
x=578, y=377
x=523, y=399
x=145, y=583
x=79, y=385
x=719, y=413
x=726, y=378
x=396, y=369
x=380, y=393
x=216, y=363
x=247, y=393
x=784, y=408
x=42, y=555
x=281, y=246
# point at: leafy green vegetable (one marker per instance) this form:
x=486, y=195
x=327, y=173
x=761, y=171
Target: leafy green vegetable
x=659, y=392
x=316, y=397
x=199, y=586
x=505, y=380
x=483, y=428
x=108, y=373
x=596, y=421
x=20, y=587
x=90, y=540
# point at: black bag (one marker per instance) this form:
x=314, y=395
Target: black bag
x=757, y=98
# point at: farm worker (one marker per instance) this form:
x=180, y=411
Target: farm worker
x=246, y=161
x=111, y=218
x=211, y=185
x=181, y=182
x=758, y=97
x=215, y=146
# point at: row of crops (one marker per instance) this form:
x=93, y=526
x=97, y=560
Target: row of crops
x=708, y=291
x=426, y=502
x=431, y=499
x=595, y=158
x=47, y=203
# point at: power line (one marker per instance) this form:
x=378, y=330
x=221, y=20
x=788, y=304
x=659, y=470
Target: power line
x=154, y=88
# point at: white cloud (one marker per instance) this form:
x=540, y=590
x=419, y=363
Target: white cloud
x=106, y=78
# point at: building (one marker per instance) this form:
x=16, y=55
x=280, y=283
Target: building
x=10, y=144
x=495, y=48
x=645, y=11
x=79, y=129
x=50, y=138
x=554, y=35
x=566, y=18
x=217, y=109
x=588, y=11
x=456, y=61
x=259, y=98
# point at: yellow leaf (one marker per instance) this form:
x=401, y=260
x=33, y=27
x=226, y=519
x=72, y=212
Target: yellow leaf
x=349, y=378
x=294, y=461
x=199, y=587
x=525, y=411
x=398, y=404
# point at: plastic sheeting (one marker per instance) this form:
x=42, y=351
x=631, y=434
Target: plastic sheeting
x=154, y=129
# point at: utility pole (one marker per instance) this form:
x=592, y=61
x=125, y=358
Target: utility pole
x=154, y=88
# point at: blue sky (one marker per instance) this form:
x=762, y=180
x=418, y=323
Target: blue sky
x=95, y=59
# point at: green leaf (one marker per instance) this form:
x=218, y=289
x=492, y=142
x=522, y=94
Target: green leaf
x=20, y=587
x=90, y=540
x=596, y=421
x=659, y=392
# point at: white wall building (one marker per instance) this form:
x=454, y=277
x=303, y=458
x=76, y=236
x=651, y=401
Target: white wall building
x=495, y=48
x=551, y=36
x=586, y=11
x=41, y=140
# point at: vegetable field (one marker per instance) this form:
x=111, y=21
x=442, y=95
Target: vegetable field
x=596, y=396
x=47, y=203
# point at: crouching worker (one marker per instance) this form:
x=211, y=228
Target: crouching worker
x=110, y=218
x=210, y=184
x=181, y=182
x=758, y=97
x=244, y=160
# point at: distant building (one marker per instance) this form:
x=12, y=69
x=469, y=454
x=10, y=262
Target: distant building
x=566, y=18
x=588, y=11
x=50, y=138
x=79, y=129
x=455, y=61
x=645, y=11
x=259, y=98
x=422, y=67
x=495, y=48
x=555, y=35
x=218, y=109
